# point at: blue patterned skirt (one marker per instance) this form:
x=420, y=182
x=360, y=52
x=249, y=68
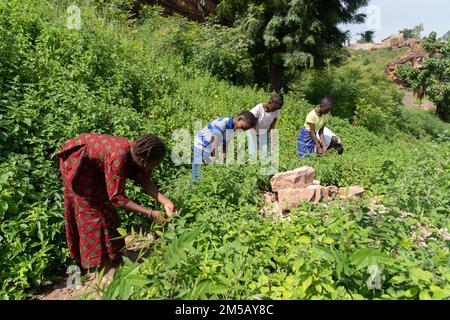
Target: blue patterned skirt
x=306, y=145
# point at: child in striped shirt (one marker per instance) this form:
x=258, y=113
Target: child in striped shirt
x=218, y=133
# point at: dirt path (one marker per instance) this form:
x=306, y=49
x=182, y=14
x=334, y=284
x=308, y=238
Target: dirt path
x=92, y=287
x=408, y=101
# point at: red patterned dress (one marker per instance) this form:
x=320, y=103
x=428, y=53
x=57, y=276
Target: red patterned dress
x=94, y=170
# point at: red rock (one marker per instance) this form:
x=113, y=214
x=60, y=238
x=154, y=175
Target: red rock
x=278, y=208
x=291, y=198
x=353, y=191
x=295, y=179
x=330, y=191
x=326, y=192
x=269, y=197
x=318, y=195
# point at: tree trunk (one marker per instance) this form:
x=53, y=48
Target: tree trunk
x=441, y=112
x=276, y=75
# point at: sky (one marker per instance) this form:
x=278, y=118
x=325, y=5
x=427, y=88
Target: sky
x=390, y=16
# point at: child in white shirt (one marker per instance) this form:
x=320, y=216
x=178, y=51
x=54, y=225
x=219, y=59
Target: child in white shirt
x=266, y=115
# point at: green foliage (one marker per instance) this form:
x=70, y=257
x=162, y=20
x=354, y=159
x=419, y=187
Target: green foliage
x=412, y=33
x=433, y=77
x=349, y=88
x=227, y=250
x=366, y=36
x=292, y=34
x=220, y=50
x=367, y=98
x=372, y=61
x=446, y=36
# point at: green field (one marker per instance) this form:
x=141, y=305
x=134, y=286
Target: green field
x=126, y=77
x=375, y=61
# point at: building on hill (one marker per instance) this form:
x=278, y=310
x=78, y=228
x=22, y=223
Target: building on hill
x=394, y=41
x=365, y=46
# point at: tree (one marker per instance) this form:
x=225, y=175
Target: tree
x=292, y=34
x=433, y=77
x=415, y=32
x=446, y=36
x=366, y=37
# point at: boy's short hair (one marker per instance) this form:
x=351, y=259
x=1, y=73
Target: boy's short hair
x=339, y=148
x=327, y=102
x=248, y=117
x=277, y=99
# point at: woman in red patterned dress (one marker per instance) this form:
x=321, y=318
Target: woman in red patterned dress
x=94, y=169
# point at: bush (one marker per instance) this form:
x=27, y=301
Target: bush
x=220, y=50
x=369, y=100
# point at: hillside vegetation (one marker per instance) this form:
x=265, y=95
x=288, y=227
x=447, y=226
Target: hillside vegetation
x=129, y=77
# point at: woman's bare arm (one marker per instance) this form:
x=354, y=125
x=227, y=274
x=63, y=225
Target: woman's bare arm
x=144, y=180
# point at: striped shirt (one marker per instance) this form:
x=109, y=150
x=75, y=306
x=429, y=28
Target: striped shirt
x=221, y=128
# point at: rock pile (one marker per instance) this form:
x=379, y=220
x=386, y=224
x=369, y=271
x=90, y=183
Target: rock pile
x=290, y=188
x=416, y=57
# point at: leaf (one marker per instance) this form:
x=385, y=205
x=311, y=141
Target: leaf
x=418, y=275
x=27, y=121
x=328, y=240
x=304, y=239
x=439, y=293
x=122, y=232
x=397, y=279
x=306, y=284
x=367, y=256
x=325, y=252
x=425, y=295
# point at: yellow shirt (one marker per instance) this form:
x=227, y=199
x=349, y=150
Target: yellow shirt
x=313, y=118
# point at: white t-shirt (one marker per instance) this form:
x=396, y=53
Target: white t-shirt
x=328, y=134
x=265, y=119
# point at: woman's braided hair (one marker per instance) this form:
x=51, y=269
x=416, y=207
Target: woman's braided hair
x=149, y=147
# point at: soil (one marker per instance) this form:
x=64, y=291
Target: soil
x=92, y=286
x=408, y=101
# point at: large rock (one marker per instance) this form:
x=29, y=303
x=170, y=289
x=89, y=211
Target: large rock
x=318, y=192
x=330, y=191
x=415, y=57
x=291, y=198
x=269, y=197
x=353, y=191
x=295, y=179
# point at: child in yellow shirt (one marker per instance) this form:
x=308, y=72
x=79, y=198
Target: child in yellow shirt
x=308, y=140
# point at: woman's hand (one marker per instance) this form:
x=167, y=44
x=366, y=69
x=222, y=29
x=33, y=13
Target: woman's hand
x=319, y=150
x=158, y=216
x=170, y=208
x=150, y=189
